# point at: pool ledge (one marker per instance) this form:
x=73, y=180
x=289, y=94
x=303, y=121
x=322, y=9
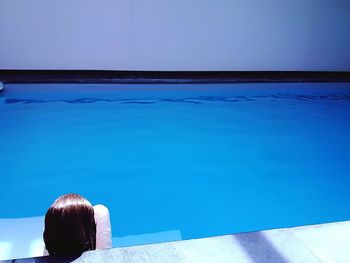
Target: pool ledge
x=314, y=243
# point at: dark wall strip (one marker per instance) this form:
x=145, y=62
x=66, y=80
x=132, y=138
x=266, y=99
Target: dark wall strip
x=103, y=76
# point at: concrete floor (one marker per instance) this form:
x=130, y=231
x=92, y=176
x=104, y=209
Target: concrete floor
x=317, y=243
x=326, y=243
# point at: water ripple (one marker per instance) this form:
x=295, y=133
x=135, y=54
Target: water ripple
x=191, y=100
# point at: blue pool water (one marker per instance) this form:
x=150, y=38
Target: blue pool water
x=202, y=160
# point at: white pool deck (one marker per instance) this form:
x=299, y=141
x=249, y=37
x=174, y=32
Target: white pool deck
x=316, y=243
x=326, y=243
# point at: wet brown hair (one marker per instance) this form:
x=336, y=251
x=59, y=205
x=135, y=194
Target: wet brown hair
x=70, y=227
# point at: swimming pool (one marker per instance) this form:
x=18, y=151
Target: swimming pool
x=189, y=160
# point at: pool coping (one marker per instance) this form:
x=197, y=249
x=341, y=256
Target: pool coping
x=315, y=243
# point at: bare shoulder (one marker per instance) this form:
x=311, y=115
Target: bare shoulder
x=101, y=210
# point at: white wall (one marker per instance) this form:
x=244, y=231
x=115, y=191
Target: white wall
x=175, y=34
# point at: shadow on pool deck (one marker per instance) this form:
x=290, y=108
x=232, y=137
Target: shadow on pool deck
x=259, y=249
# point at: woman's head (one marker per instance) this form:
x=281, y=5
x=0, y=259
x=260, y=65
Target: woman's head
x=70, y=227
